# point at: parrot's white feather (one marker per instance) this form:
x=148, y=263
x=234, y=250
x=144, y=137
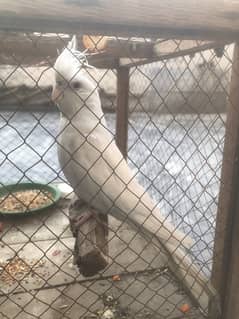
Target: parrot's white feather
x=72, y=45
x=98, y=173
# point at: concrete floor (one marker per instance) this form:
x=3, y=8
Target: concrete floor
x=56, y=290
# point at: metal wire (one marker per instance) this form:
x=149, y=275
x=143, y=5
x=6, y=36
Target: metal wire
x=176, y=133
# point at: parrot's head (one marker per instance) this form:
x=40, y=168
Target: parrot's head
x=72, y=87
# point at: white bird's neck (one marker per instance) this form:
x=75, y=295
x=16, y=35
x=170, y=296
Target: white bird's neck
x=87, y=119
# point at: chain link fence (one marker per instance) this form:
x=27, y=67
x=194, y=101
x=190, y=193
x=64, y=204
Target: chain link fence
x=176, y=128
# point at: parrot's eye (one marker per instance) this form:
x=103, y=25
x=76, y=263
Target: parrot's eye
x=76, y=85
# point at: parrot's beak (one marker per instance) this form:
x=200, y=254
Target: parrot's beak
x=56, y=94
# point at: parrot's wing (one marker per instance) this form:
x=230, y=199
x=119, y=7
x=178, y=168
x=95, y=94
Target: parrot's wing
x=110, y=186
x=101, y=176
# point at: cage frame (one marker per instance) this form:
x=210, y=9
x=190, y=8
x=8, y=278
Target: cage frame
x=212, y=20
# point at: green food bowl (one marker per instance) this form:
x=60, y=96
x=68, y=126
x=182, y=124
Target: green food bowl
x=27, y=198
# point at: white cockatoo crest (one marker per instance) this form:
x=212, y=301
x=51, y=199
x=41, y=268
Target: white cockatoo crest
x=71, y=52
x=72, y=80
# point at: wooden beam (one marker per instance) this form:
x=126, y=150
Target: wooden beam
x=122, y=110
x=134, y=48
x=29, y=49
x=103, y=61
x=32, y=49
x=184, y=48
x=198, y=19
x=41, y=49
x=226, y=258
x=139, y=48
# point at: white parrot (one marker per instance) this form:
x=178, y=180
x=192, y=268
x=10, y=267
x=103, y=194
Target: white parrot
x=98, y=173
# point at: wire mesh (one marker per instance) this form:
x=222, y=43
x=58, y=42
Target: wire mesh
x=176, y=130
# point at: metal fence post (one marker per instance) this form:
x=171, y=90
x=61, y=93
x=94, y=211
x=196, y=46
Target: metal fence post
x=122, y=109
x=226, y=248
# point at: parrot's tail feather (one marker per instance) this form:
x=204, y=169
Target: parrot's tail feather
x=198, y=286
x=153, y=226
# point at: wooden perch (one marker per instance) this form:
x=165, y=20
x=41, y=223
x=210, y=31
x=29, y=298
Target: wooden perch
x=91, y=233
